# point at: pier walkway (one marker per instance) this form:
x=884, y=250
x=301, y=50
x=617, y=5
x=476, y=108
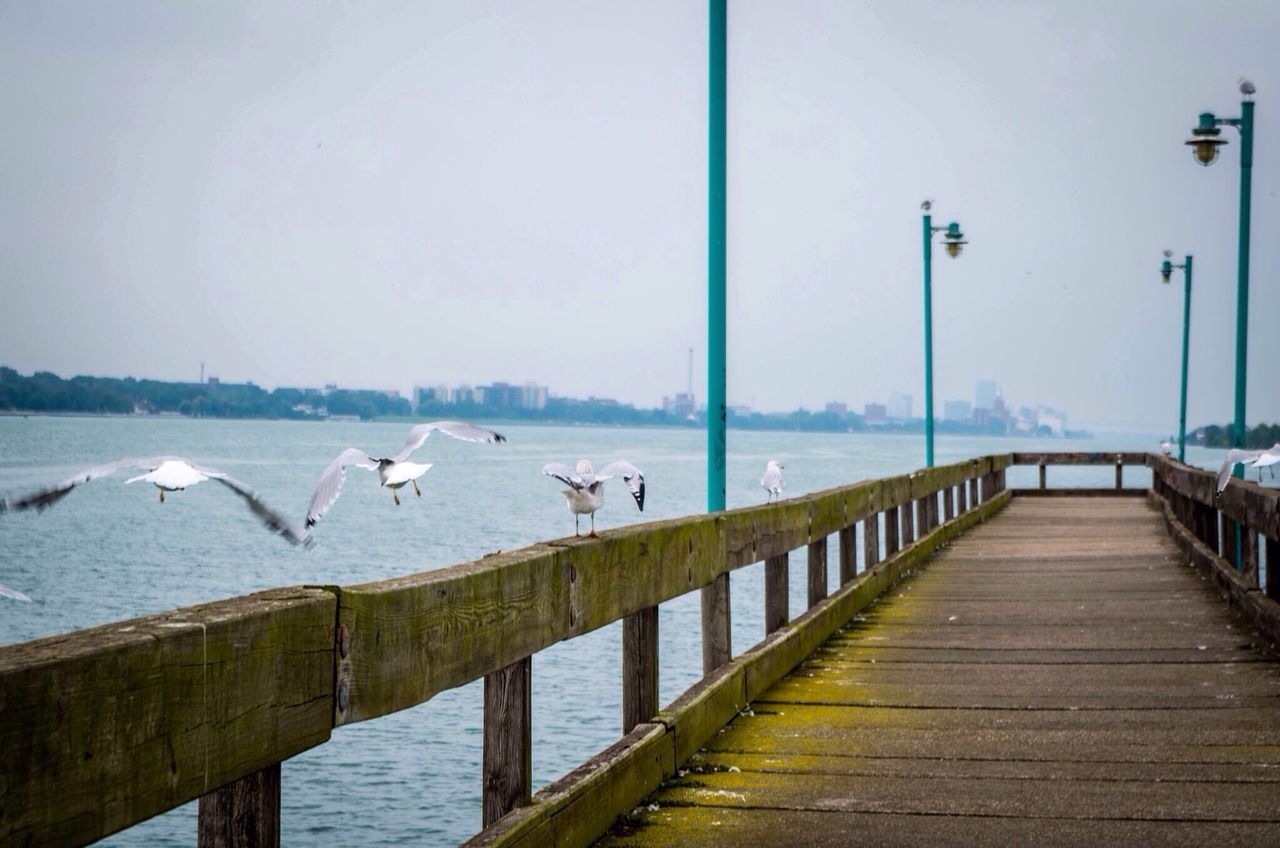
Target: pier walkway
x=1058, y=675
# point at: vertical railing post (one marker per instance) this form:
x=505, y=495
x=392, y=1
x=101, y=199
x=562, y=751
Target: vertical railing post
x=717, y=645
x=817, y=571
x=922, y=518
x=1249, y=556
x=848, y=553
x=776, y=598
x=1042, y=475
x=905, y=523
x=244, y=812
x=974, y=500
x=639, y=667
x=1119, y=474
x=870, y=540
x=1272, y=589
x=508, y=739
x=1227, y=537
x=948, y=503
x=891, y=543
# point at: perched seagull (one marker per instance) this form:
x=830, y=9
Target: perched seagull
x=6, y=592
x=927, y=205
x=168, y=474
x=394, y=472
x=586, y=488
x=1166, y=447
x=772, y=479
x=1247, y=88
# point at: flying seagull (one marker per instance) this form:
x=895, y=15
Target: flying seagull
x=7, y=592
x=586, y=488
x=1256, y=458
x=168, y=474
x=772, y=479
x=394, y=472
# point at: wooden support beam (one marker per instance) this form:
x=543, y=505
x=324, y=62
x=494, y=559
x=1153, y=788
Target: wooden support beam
x=962, y=498
x=848, y=553
x=1227, y=539
x=717, y=644
x=639, y=668
x=906, y=524
x=776, y=593
x=1119, y=475
x=870, y=542
x=974, y=500
x=1272, y=589
x=948, y=503
x=891, y=538
x=922, y=517
x=1042, y=475
x=817, y=571
x=1249, y=557
x=508, y=738
x=245, y=812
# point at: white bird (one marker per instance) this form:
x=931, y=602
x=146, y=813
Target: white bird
x=1268, y=459
x=1166, y=447
x=7, y=592
x=1247, y=88
x=168, y=474
x=772, y=479
x=586, y=488
x=394, y=472
x=1243, y=456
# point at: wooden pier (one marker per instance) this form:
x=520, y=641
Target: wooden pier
x=1067, y=611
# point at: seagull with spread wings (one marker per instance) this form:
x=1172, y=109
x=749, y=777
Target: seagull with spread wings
x=772, y=479
x=395, y=472
x=168, y=474
x=586, y=487
x=1258, y=459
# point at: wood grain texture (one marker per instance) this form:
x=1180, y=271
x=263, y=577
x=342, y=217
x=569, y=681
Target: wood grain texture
x=108, y=726
x=717, y=632
x=906, y=523
x=817, y=571
x=892, y=539
x=848, y=553
x=244, y=812
x=776, y=591
x=639, y=668
x=870, y=542
x=508, y=739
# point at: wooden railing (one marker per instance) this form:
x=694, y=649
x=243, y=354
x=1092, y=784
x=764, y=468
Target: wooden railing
x=106, y=727
x=1223, y=535
x=1118, y=460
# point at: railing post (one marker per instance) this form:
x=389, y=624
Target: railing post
x=848, y=553
x=1249, y=555
x=962, y=498
x=1226, y=537
x=508, y=737
x=817, y=571
x=891, y=544
x=244, y=812
x=948, y=504
x=1119, y=474
x=717, y=646
x=1273, y=570
x=1042, y=475
x=776, y=598
x=922, y=518
x=639, y=668
x=974, y=499
x=871, y=541
x=904, y=522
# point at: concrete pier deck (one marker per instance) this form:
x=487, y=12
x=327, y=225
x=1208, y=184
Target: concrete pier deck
x=1057, y=676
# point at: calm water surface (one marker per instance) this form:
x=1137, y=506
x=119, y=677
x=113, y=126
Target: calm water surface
x=110, y=552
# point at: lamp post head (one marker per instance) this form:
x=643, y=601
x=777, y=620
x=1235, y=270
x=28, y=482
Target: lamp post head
x=1205, y=139
x=1166, y=270
x=954, y=240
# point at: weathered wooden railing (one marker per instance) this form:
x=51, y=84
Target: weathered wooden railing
x=108, y=726
x=1119, y=460
x=1223, y=535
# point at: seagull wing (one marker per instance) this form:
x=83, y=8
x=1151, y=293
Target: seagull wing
x=1229, y=462
x=330, y=485
x=457, y=429
x=7, y=592
x=630, y=475
x=565, y=475
x=274, y=521
x=48, y=496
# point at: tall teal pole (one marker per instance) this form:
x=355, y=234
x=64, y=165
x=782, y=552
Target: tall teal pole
x=1242, y=271
x=1186, y=335
x=928, y=341
x=716, y=202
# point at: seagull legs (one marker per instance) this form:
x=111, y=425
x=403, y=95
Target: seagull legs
x=592, y=534
x=577, y=527
x=162, y=496
x=395, y=497
x=416, y=490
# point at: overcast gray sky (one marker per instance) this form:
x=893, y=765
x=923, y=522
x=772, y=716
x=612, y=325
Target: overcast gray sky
x=380, y=194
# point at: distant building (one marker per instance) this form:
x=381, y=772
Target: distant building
x=900, y=406
x=533, y=396
x=682, y=406
x=874, y=413
x=837, y=408
x=957, y=410
x=423, y=395
x=985, y=394
x=463, y=395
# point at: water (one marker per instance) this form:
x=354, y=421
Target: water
x=110, y=552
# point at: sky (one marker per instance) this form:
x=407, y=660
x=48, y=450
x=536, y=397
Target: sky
x=381, y=195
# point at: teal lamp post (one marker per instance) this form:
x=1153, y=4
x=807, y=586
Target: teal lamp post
x=954, y=242
x=1166, y=271
x=1204, y=142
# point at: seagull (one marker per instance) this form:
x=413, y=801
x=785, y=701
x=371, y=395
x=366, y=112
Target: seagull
x=927, y=205
x=1242, y=456
x=1268, y=459
x=1247, y=88
x=772, y=479
x=586, y=488
x=1166, y=447
x=168, y=474
x=394, y=472
x=7, y=592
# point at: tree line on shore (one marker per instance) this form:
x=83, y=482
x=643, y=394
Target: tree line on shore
x=1255, y=438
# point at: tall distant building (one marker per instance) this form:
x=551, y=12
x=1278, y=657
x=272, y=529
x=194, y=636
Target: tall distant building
x=985, y=394
x=874, y=413
x=835, y=407
x=899, y=406
x=957, y=410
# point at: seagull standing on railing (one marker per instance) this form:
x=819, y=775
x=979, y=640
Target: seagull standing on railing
x=168, y=474
x=395, y=472
x=1166, y=447
x=772, y=480
x=586, y=488
x=1258, y=459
